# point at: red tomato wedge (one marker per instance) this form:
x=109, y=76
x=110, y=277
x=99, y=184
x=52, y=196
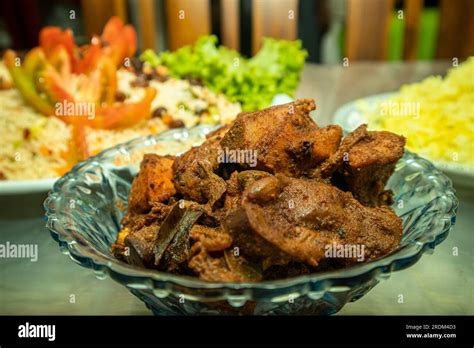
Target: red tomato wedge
x=58, y=77
x=125, y=114
x=120, y=40
x=51, y=38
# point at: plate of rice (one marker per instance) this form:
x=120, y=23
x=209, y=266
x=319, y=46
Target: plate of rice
x=435, y=115
x=32, y=145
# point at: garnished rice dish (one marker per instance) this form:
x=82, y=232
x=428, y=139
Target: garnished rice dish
x=44, y=132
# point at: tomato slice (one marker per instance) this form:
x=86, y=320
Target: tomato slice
x=120, y=40
x=77, y=150
x=117, y=41
x=80, y=151
x=60, y=72
x=90, y=55
x=52, y=37
x=124, y=114
x=25, y=84
x=108, y=80
x=55, y=77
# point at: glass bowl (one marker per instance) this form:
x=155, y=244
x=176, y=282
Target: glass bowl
x=86, y=205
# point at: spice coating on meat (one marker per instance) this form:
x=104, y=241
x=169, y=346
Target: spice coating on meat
x=193, y=172
x=153, y=184
x=284, y=138
x=303, y=217
x=309, y=195
x=370, y=164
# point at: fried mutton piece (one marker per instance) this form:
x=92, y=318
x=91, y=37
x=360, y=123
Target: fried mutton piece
x=153, y=184
x=251, y=245
x=137, y=234
x=193, y=172
x=284, y=138
x=304, y=217
x=337, y=158
x=211, y=238
x=362, y=164
x=370, y=164
x=235, y=223
x=236, y=185
x=225, y=267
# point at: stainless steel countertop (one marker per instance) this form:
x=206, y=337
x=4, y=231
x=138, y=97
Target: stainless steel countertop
x=441, y=283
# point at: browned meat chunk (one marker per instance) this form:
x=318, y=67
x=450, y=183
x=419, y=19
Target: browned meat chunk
x=284, y=139
x=336, y=160
x=133, y=226
x=211, y=238
x=371, y=163
x=222, y=268
x=155, y=216
x=153, y=184
x=194, y=175
x=326, y=142
x=236, y=185
x=250, y=244
x=304, y=217
x=363, y=164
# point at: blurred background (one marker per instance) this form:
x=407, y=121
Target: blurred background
x=330, y=30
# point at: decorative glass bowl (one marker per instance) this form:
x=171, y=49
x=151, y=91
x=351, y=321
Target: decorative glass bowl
x=86, y=205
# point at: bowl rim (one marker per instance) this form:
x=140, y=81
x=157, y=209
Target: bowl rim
x=91, y=258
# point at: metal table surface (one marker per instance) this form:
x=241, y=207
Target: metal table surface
x=441, y=283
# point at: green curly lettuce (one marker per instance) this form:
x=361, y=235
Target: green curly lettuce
x=252, y=82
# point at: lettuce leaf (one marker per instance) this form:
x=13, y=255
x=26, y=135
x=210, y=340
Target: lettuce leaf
x=253, y=82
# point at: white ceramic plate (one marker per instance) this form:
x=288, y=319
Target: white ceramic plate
x=17, y=187
x=349, y=116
